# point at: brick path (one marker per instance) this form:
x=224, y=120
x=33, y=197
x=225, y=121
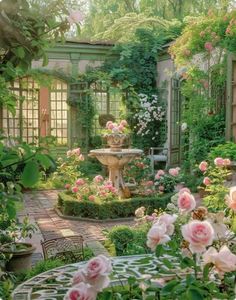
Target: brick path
x=39, y=206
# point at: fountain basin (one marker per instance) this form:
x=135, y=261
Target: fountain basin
x=115, y=161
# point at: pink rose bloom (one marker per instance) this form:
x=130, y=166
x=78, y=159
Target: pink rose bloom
x=227, y=162
x=157, y=235
x=76, y=151
x=168, y=220
x=110, y=126
x=231, y=198
x=91, y=198
x=121, y=128
x=67, y=186
x=123, y=123
x=78, y=277
x=160, y=172
x=173, y=172
x=224, y=261
x=82, y=291
x=219, y=161
x=80, y=181
x=181, y=191
x=108, y=123
x=157, y=177
x=208, y=46
x=207, y=181
x=97, y=271
x=75, y=189
x=203, y=166
x=199, y=234
x=75, y=17
x=98, y=179
x=150, y=218
x=81, y=157
x=161, y=188
x=186, y=202
x=149, y=183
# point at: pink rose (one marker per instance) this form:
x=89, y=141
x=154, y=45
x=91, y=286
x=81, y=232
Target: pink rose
x=75, y=17
x=168, y=220
x=98, y=179
x=227, y=162
x=149, y=183
x=108, y=123
x=181, y=191
x=199, y=234
x=91, y=198
x=208, y=46
x=224, y=261
x=110, y=126
x=157, y=235
x=157, y=177
x=80, y=181
x=174, y=172
x=231, y=198
x=161, y=188
x=219, y=161
x=82, y=291
x=76, y=151
x=160, y=172
x=121, y=128
x=97, y=271
x=186, y=202
x=78, y=277
x=67, y=186
x=75, y=189
x=81, y=157
x=123, y=123
x=207, y=181
x=203, y=166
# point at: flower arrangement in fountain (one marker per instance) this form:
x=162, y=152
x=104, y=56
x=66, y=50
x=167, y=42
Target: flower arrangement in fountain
x=115, y=128
x=99, y=190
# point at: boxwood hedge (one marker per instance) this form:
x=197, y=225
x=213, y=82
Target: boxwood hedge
x=124, y=208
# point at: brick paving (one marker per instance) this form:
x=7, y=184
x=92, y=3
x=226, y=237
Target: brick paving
x=39, y=206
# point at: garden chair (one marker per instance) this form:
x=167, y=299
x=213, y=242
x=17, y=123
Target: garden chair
x=68, y=249
x=158, y=155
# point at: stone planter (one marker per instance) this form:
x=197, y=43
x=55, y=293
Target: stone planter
x=20, y=259
x=115, y=141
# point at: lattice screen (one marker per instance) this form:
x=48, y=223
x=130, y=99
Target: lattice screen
x=59, y=111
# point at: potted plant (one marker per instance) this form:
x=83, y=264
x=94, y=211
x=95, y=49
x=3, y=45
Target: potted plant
x=18, y=253
x=116, y=134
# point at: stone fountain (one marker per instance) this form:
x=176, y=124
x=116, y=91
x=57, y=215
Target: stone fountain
x=115, y=160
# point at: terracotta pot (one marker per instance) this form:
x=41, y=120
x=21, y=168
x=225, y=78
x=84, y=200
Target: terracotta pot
x=20, y=260
x=115, y=141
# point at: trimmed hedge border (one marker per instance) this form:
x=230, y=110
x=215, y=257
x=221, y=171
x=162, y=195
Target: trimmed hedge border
x=108, y=211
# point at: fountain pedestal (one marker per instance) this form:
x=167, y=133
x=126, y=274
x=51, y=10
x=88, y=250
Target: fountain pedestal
x=115, y=161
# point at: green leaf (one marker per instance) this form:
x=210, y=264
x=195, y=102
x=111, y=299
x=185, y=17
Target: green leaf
x=194, y=294
x=45, y=60
x=44, y=160
x=169, y=286
x=30, y=174
x=20, y=52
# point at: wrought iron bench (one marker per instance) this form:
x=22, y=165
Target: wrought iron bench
x=69, y=248
x=158, y=154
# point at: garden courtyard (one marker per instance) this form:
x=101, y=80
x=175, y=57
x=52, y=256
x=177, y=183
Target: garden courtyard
x=117, y=150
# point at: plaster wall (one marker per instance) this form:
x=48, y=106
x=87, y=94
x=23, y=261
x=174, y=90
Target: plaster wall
x=54, y=64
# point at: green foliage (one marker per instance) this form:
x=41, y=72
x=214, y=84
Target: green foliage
x=129, y=241
x=70, y=206
x=137, y=170
x=227, y=150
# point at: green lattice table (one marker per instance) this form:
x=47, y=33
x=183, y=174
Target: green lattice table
x=53, y=284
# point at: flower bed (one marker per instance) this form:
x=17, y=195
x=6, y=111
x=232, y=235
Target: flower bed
x=70, y=206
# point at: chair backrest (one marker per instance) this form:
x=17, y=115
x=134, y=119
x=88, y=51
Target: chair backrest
x=54, y=247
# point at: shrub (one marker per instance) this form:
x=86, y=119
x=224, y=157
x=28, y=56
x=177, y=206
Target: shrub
x=121, y=236
x=124, y=208
x=227, y=150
